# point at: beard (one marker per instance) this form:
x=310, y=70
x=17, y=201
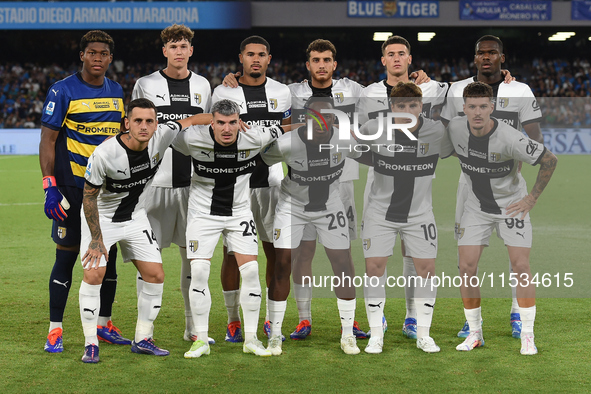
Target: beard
x=255, y=74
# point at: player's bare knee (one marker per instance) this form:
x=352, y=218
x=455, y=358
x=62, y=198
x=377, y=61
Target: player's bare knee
x=94, y=276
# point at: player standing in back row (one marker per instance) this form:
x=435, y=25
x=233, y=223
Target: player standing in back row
x=515, y=105
x=80, y=112
x=177, y=93
x=263, y=102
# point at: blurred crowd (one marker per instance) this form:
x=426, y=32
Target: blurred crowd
x=23, y=86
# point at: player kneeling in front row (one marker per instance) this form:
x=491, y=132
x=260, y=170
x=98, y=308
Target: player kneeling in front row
x=400, y=202
x=489, y=153
x=219, y=203
x=310, y=195
x=116, y=176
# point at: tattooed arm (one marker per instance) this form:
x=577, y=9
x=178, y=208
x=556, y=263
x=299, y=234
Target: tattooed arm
x=96, y=249
x=547, y=166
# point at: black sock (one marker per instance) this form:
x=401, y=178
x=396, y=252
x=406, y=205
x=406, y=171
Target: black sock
x=109, y=286
x=60, y=282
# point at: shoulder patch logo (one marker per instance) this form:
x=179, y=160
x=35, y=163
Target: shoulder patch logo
x=50, y=108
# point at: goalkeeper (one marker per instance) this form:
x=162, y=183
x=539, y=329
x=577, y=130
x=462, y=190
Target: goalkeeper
x=79, y=113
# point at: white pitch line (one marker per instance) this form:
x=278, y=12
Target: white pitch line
x=21, y=203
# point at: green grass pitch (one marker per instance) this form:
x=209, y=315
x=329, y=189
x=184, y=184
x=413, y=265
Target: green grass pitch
x=561, y=245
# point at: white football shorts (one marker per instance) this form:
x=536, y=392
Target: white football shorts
x=135, y=237
x=379, y=235
x=204, y=230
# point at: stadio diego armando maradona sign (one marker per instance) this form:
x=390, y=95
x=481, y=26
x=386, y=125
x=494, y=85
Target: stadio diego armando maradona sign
x=124, y=15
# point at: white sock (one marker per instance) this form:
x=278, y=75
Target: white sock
x=528, y=317
x=425, y=303
x=89, y=298
x=148, y=306
x=232, y=301
x=408, y=270
x=514, y=303
x=250, y=298
x=276, y=315
x=347, y=313
x=266, y=304
x=374, y=292
x=55, y=324
x=185, y=285
x=103, y=320
x=375, y=309
x=474, y=318
x=138, y=284
x=303, y=297
x=200, y=296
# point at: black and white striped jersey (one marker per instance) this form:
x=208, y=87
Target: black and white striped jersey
x=221, y=174
x=490, y=163
x=174, y=99
x=265, y=105
x=346, y=94
x=404, y=169
x=515, y=103
x=374, y=98
x=313, y=172
x=122, y=174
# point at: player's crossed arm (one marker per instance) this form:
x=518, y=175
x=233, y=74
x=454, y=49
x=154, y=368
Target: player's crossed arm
x=96, y=249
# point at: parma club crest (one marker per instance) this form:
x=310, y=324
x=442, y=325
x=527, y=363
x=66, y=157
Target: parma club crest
x=197, y=98
x=424, y=148
x=503, y=102
x=337, y=157
x=459, y=230
x=193, y=246
x=116, y=104
x=61, y=232
x=339, y=97
x=276, y=234
x=366, y=244
x=495, y=156
x=273, y=103
x=155, y=160
x=243, y=154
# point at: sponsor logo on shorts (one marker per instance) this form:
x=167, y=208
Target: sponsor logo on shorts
x=193, y=246
x=366, y=244
x=61, y=232
x=276, y=234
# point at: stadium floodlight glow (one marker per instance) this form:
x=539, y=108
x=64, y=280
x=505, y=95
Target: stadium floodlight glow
x=381, y=35
x=425, y=36
x=561, y=36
